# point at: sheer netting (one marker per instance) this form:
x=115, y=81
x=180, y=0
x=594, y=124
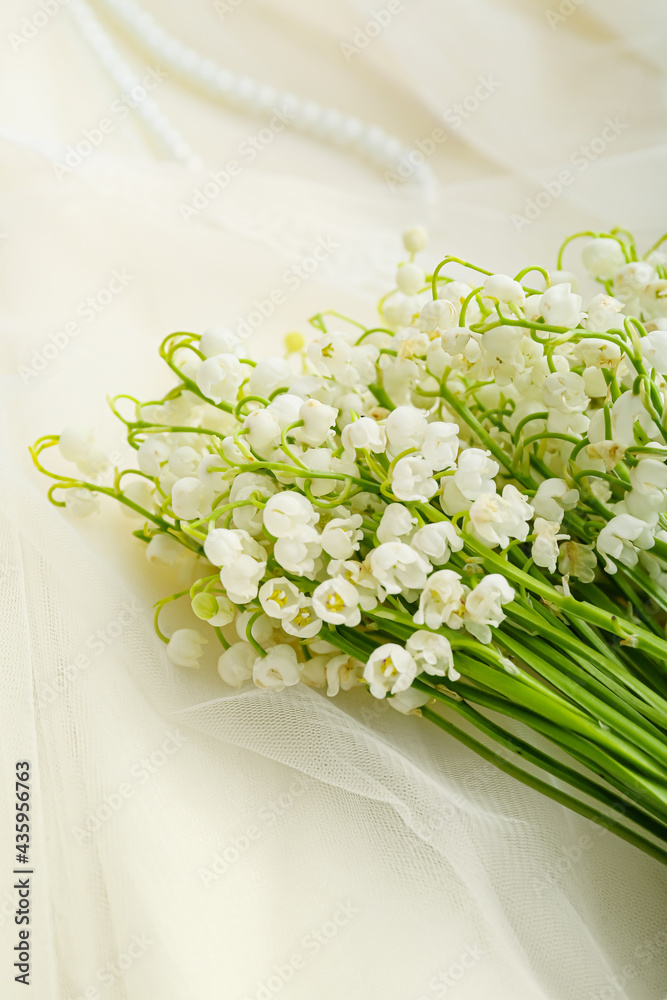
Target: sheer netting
x=189, y=841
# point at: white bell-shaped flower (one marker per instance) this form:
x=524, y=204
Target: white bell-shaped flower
x=559, y=306
x=277, y=670
x=432, y=653
x=190, y=499
x=398, y=567
x=219, y=340
x=236, y=663
x=412, y=479
x=336, y=601
x=504, y=289
x=437, y=541
x=279, y=598
x=483, y=605
x=441, y=601
x=287, y=513
x=441, y=445
x=397, y=524
x=318, y=421
x=602, y=257
x=389, y=669
x=219, y=378
x=241, y=579
x=366, y=434
x=186, y=647
x=621, y=538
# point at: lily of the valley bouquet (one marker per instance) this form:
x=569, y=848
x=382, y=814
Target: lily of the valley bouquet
x=462, y=508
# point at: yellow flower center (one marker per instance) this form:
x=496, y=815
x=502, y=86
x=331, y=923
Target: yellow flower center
x=279, y=597
x=334, y=602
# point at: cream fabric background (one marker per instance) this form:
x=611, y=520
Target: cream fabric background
x=396, y=864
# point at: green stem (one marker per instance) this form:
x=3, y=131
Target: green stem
x=545, y=789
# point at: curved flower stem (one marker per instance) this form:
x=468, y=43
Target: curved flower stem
x=160, y=605
x=476, y=427
x=453, y=260
x=167, y=357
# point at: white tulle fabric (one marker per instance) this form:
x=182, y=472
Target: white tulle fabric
x=190, y=841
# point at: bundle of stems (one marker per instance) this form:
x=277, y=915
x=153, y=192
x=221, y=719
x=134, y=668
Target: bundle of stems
x=577, y=666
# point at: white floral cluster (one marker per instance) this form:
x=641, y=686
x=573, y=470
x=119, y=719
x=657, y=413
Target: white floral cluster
x=353, y=507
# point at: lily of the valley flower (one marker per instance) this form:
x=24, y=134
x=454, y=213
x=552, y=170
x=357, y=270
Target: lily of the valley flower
x=441, y=601
x=287, y=513
x=236, y=663
x=412, y=479
x=620, y=538
x=390, y=669
x=366, y=434
x=186, y=647
x=219, y=377
x=496, y=519
x=277, y=670
x=337, y=601
x=279, y=598
x=437, y=541
x=397, y=567
x=545, y=546
x=483, y=605
x=432, y=653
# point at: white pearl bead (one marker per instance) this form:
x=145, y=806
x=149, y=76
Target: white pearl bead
x=330, y=123
x=208, y=71
x=289, y=104
x=350, y=130
x=244, y=90
x=190, y=60
x=172, y=49
x=307, y=115
x=266, y=98
x=225, y=81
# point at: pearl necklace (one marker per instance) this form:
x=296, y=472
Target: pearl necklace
x=167, y=134
x=325, y=124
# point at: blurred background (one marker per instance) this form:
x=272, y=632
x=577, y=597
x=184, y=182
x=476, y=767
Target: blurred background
x=128, y=213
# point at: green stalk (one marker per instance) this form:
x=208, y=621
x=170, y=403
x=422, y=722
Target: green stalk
x=542, y=760
x=597, y=682
x=586, y=750
x=598, y=708
x=564, y=639
x=545, y=789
